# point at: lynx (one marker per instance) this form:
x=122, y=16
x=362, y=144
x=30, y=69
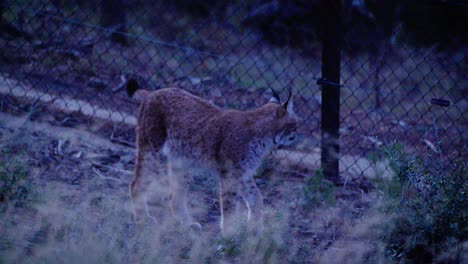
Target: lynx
x=190, y=131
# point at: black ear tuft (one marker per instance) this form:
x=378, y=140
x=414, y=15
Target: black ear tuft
x=285, y=104
x=275, y=95
x=132, y=86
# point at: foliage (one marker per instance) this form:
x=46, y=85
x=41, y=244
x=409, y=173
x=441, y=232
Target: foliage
x=16, y=186
x=317, y=190
x=430, y=219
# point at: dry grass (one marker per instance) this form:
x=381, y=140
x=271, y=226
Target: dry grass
x=82, y=212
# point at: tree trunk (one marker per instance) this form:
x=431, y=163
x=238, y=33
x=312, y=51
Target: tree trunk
x=113, y=18
x=1, y=11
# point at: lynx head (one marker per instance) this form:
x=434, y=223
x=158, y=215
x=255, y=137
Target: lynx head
x=285, y=120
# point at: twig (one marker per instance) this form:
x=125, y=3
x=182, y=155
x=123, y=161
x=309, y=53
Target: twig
x=112, y=168
x=430, y=145
x=345, y=182
x=121, y=85
x=121, y=141
x=436, y=135
x=98, y=173
x=60, y=144
x=296, y=173
x=373, y=140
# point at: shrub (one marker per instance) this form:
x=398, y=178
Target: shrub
x=430, y=216
x=16, y=187
x=317, y=190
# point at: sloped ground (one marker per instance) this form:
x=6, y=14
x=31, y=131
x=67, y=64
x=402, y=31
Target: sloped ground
x=80, y=179
x=82, y=208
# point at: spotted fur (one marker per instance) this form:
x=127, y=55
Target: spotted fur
x=190, y=131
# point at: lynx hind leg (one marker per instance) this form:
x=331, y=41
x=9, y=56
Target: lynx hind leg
x=149, y=188
x=180, y=177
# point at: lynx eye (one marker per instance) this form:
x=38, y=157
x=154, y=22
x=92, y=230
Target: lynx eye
x=292, y=136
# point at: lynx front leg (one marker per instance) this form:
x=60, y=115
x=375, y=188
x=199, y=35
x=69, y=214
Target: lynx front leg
x=229, y=204
x=254, y=202
x=233, y=188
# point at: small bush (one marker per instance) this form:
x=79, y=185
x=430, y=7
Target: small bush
x=317, y=190
x=430, y=216
x=16, y=187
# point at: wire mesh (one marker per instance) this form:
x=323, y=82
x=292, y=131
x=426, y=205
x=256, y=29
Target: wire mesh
x=71, y=56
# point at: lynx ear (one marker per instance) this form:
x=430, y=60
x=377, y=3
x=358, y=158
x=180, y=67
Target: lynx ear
x=275, y=98
x=289, y=105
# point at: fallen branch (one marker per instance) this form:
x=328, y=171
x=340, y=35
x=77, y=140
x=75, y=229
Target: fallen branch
x=121, y=85
x=123, y=142
x=373, y=140
x=431, y=146
x=98, y=173
x=297, y=174
x=99, y=165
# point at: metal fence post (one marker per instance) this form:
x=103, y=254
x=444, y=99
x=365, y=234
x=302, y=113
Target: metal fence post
x=330, y=83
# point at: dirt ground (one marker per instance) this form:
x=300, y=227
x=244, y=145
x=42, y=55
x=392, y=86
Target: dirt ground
x=64, y=123
x=74, y=168
x=81, y=157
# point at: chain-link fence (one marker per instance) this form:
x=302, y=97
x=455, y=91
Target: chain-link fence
x=401, y=73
